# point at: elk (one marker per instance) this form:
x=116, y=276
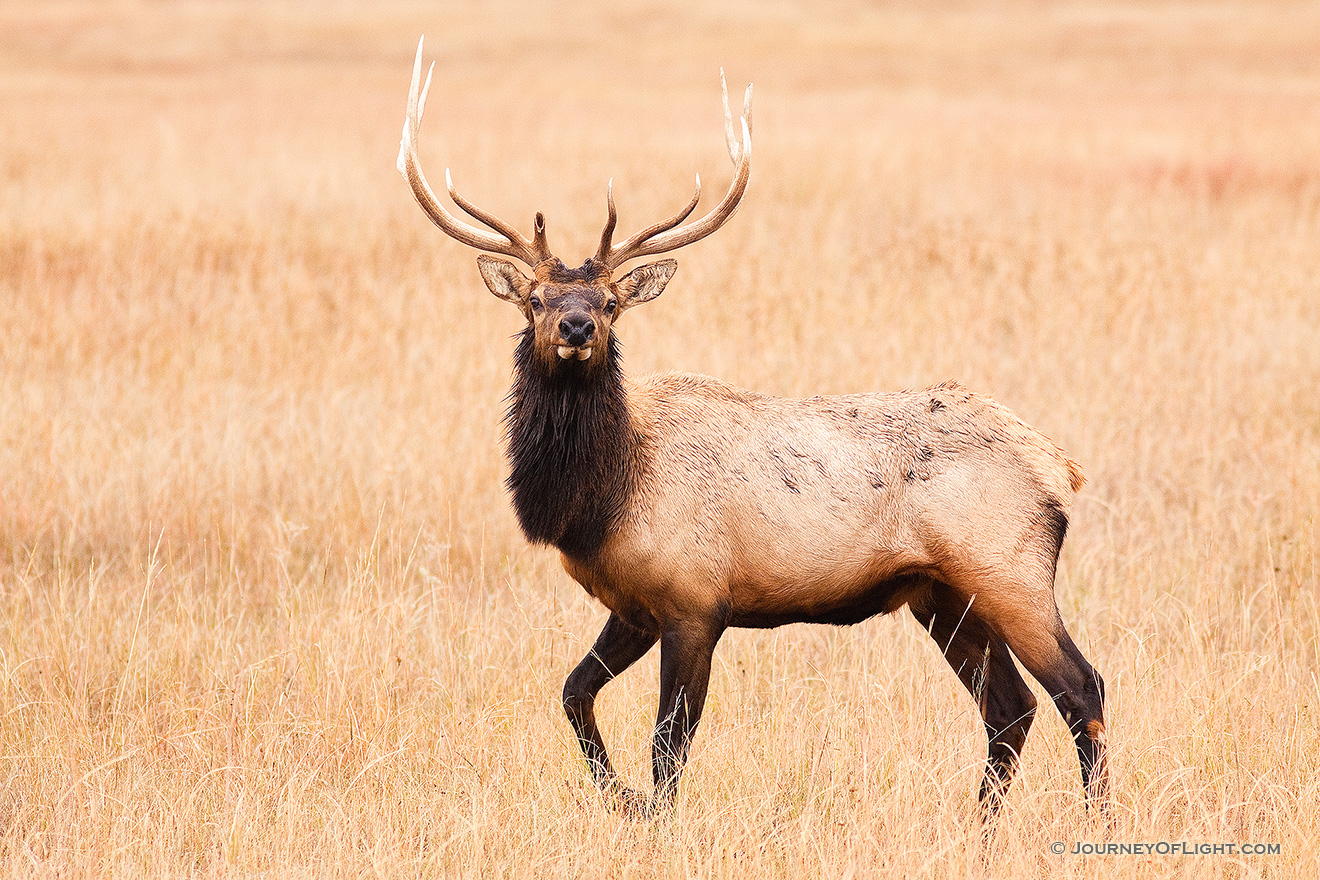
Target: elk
x=687, y=506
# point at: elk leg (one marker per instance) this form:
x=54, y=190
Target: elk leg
x=1078, y=692
x=618, y=647
x=1039, y=640
x=986, y=669
x=686, y=649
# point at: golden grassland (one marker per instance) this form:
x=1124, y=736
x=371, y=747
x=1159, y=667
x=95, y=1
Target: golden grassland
x=264, y=608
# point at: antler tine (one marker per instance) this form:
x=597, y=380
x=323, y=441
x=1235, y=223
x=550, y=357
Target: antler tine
x=509, y=242
x=538, y=240
x=606, y=237
x=505, y=229
x=735, y=148
x=664, y=236
x=614, y=257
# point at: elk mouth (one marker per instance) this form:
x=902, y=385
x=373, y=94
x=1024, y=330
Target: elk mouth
x=574, y=352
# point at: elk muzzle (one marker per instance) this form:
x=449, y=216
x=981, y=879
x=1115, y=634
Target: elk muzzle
x=576, y=330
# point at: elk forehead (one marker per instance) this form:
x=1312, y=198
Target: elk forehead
x=562, y=289
x=554, y=271
x=568, y=296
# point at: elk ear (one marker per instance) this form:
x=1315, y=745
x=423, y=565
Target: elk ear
x=504, y=279
x=645, y=283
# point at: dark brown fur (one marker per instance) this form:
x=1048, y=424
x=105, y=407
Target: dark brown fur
x=569, y=439
x=587, y=465
x=686, y=506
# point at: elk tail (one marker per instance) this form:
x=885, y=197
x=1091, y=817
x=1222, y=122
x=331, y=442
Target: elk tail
x=1076, y=478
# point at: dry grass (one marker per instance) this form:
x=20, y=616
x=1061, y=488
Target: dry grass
x=264, y=609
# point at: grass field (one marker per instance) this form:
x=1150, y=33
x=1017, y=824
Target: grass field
x=264, y=607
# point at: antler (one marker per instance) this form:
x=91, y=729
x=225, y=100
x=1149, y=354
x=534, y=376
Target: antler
x=509, y=241
x=663, y=236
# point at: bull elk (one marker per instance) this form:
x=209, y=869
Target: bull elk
x=687, y=506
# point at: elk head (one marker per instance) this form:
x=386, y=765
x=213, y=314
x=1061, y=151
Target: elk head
x=570, y=312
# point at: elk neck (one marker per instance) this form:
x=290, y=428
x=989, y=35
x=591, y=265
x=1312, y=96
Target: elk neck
x=570, y=444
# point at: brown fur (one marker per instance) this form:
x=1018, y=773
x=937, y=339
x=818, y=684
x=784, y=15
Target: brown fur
x=707, y=506
x=798, y=507
x=687, y=506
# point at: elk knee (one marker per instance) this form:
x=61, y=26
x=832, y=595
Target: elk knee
x=578, y=701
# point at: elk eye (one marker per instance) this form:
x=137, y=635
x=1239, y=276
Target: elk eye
x=610, y=306
x=536, y=303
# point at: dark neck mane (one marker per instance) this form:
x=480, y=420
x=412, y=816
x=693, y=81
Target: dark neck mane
x=570, y=445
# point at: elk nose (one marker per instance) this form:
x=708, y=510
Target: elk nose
x=577, y=329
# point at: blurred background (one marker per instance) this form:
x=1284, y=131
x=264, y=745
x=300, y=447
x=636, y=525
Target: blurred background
x=264, y=607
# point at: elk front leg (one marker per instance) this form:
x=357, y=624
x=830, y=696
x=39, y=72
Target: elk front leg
x=686, y=648
x=618, y=647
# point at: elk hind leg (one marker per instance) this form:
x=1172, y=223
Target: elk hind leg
x=618, y=647
x=985, y=667
x=1078, y=692
x=1034, y=632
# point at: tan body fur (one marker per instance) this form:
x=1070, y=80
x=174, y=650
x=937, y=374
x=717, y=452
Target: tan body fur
x=687, y=506
x=792, y=509
x=754, y=511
